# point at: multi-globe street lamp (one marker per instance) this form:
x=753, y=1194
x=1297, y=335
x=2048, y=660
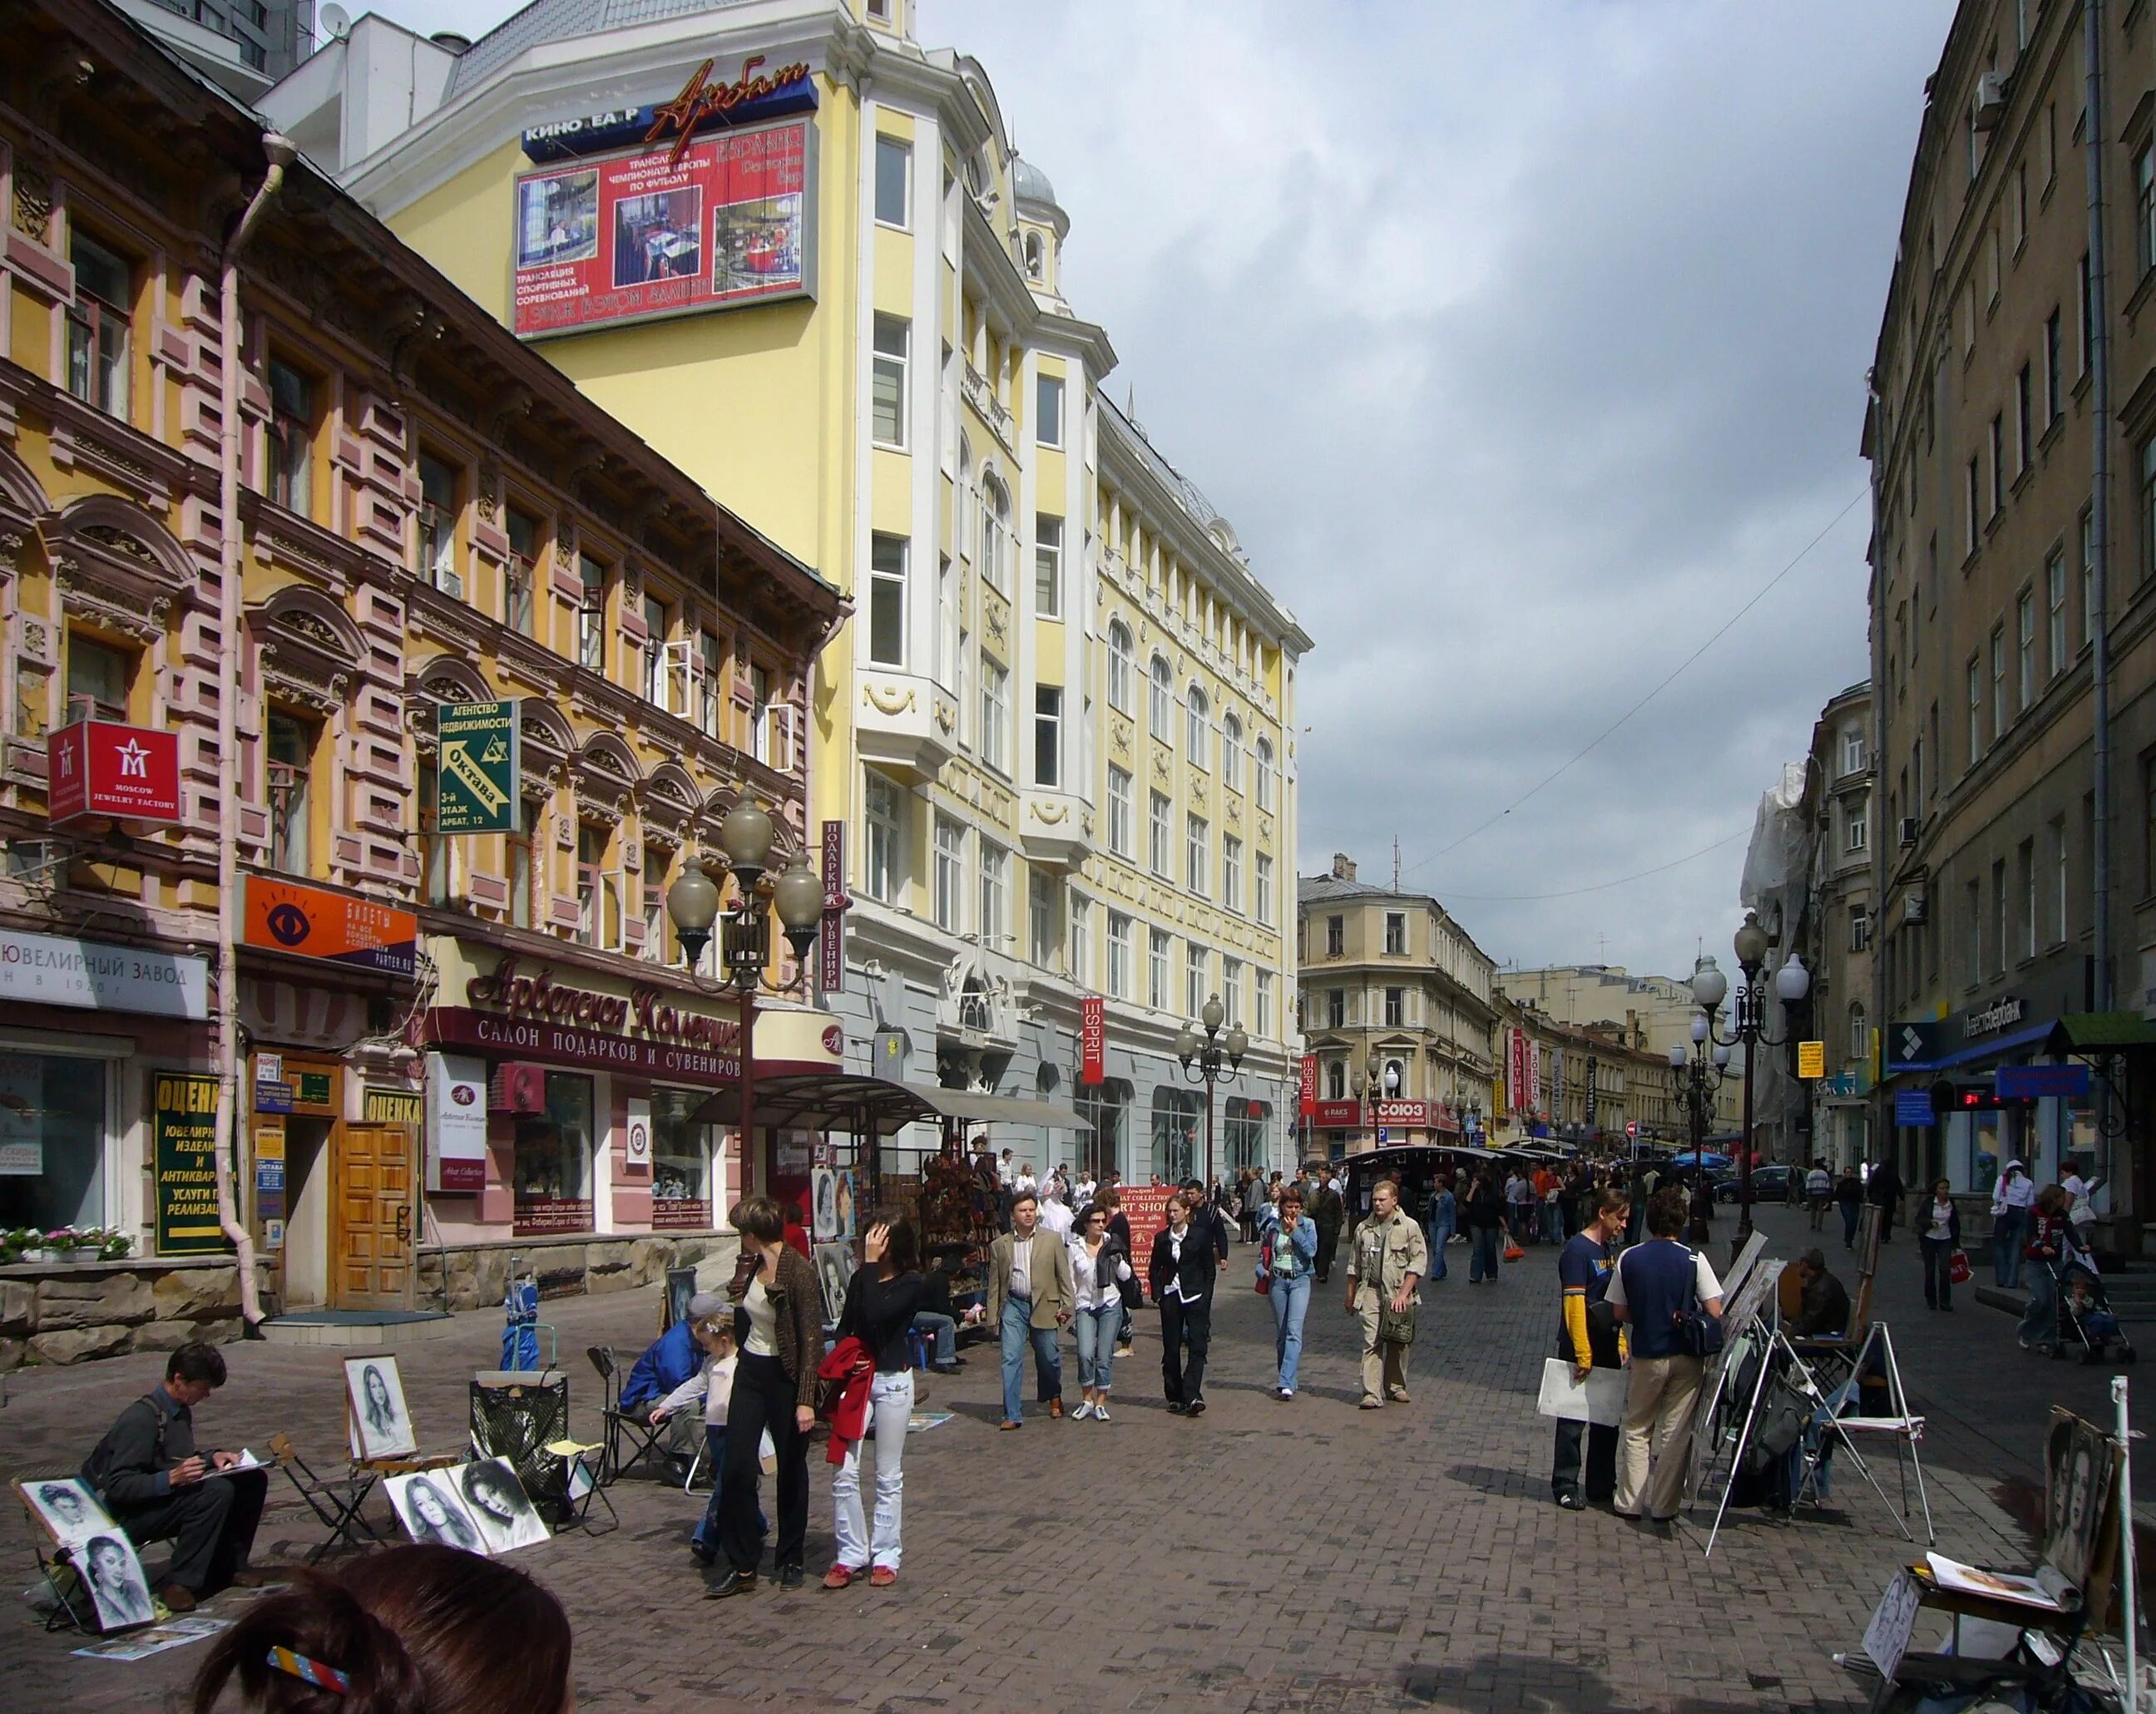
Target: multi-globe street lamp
x=1709, y=986
x=1700, y=1074
x=695, y=902
x=1202, y=1060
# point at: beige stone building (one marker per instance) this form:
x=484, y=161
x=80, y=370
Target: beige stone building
x=1835, y=934
x=1655, y=1013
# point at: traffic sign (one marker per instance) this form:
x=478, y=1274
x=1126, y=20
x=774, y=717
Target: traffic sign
x=1631, y=1127
x=1811, y=1058
x=475, y=776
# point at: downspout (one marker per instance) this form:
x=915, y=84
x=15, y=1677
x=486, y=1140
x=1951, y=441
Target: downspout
x=225, y=1040
x=1885, y=1138
x=2099, y=505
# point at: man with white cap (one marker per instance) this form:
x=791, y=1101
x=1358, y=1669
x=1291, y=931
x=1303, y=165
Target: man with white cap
x=2010, y=1198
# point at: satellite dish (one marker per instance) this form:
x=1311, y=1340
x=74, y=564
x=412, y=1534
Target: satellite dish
x=336, y=22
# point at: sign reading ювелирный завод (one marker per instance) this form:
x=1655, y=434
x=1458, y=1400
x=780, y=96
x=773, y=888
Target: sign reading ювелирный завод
x=97, y=976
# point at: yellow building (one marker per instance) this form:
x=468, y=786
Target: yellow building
x=796, y=252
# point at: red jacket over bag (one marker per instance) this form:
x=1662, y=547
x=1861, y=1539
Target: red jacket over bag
x=843, y=1382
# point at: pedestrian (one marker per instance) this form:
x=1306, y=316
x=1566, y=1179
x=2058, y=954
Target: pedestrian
x=415, y=1629
x=934, y=1317
x=1883, y=1191
x=1699, y=1207
x=2080, y=1207
x=1444, y=1216
x=1029, y=1301
x=2046, y=1249
x=1553, y=1230
x=1485, y=1211
x=1519, y=1197
x=882, y=1299
x=711, y=1325
x=1288, y=1265
x=148, y=1475
x=1938, y=1236
x=1819, y=1191
x=1181, y=1276
x=1110, y=1200
x=1655, y=1284
x=1055, y=1214
x=1100, y=1266
x=2010, y=1201
x=774, y=1393
x=1822, y=1300
x=1587, y=1336
x=1330, y=1215
x=1849, y=1198
x=1385, y=1265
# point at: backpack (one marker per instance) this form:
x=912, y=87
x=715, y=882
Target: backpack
x=98, y=1466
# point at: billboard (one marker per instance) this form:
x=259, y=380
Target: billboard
x=727, y=221
x=100, y=767
x=290, y=917
x=476, y=781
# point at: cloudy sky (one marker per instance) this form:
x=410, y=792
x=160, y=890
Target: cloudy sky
x=1523, y=345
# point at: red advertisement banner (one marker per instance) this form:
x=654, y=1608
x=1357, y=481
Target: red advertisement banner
x=1414, y=1115
x=96, y=767
x=831, y=931
x=1146, y=1205
x=1307, y=1097
x=1336, y=1116
x=1093, y=1039
x=731, y=221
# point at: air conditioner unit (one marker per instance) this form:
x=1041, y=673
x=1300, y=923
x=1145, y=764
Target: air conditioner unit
x=517, y=1087
x=1988, y=106
x=1908, y=831
x=1914, y=907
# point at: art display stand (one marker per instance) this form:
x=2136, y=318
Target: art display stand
x=72, y=1608
x=1905, y=1429
x=1743, y=1310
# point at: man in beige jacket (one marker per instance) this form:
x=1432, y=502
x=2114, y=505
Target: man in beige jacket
x=1385, y=1265
x=1031, y=1296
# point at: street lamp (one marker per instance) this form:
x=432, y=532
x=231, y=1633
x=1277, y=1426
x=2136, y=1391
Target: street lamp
x=1202, y=1061
x=1700, y=1074
x=1709, y=986
x=695, y=901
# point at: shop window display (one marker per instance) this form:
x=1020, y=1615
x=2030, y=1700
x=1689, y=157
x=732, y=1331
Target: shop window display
x=1177, y=1114
x=553, y=1165
x=52, y=1141
x=680, y=1162
x=1243, y=1133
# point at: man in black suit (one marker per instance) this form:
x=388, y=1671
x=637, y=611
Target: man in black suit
x=1186, y=1255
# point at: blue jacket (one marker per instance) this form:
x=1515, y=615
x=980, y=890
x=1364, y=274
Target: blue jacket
x=1302, y=1243
x=669, y=1360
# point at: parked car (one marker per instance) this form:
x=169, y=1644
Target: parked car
x=1768, y=1184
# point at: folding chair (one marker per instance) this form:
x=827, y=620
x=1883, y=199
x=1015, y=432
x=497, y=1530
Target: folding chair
x=621, y=1425
x=580, y=1486
x=336, y=1501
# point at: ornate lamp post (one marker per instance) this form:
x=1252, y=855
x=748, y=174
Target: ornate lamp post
x=1709, y=986
x=1699, y=1075
x=695, y=902
x=1202, y=1061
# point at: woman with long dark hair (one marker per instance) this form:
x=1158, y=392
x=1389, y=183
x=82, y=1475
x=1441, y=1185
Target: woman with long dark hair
x=1485, y=1219
x=882, y=1299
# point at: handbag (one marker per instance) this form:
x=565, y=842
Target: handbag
x=1696, y=1333
x=1957, y=1269
x=1513, y=1252
x=1395, y=1326
x=1266, y=1269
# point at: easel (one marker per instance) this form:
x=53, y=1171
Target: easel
x=73, y=1604
x=1906, y=1429
x=1742, y=1308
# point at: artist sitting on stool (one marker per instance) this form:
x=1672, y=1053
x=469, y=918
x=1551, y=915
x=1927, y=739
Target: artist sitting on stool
x=157, y=1487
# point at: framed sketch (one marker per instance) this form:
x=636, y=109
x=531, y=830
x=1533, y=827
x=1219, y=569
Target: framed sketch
x=381, y=1421
x=844, y=1196
x=2080, y=1489
x=66, y=1507
x=834, y=1269
x=98, y=1549
x=496, y=1502
x=823, y=1197
x=430, y=1505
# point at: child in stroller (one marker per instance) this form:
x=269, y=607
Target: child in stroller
x=2087, y=1324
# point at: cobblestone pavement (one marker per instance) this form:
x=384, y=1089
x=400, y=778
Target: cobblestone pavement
x=1268, y=1557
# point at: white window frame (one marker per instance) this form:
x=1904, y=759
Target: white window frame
x=1119, y=956
x=1048, y=737
x=1197, y=968
x=949, y=903
x=1231, y=873
x=1048, y=388
x=1161, y=703
x=892, y=337
x=1262, y=763
x=889, y=148
x=1231, y=753
x=1047, y=566
x=1160, y=969
x=994, y=926
x=1263, y=886
x=1160, y=832
x=889, y=560
x=995, y=717
x=1120, y=813
x=1198, y=713
x=883, y=815
x=1122, y=662
x=1197, y=855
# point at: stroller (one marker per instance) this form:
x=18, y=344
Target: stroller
x=2085, y=1323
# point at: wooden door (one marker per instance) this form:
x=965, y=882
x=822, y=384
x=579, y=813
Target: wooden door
x=375, y=1217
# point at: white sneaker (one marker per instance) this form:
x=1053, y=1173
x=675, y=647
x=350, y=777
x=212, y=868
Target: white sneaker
x=1083, y=1411
x=1100, y=1412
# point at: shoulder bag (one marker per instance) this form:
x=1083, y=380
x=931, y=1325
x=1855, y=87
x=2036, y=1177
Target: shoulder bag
x=1697, y=1333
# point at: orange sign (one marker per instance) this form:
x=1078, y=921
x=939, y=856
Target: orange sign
x=313, y=922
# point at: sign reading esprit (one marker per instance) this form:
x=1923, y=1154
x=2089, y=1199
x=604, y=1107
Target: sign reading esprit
x=100, y=768
x=1092, y=1039
x=540, y=996
x=701, y=104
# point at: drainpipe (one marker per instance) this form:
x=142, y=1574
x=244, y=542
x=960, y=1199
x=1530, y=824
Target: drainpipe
x=225, y=1040
x=1885, y=1140
x=2099, y=501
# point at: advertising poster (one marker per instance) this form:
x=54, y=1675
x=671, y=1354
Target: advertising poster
x=183, y=1127
x=730, y=221
x=456, y=1124
x=313, y=922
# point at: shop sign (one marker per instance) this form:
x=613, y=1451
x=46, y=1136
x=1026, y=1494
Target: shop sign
x=831, y=930
x=687, y=1214
x=1912, y=1042
x=1811, y=1059
x=392, y=1106
x=100, y=768
x=313, y=922
x=476, y=777
x=1913, y=1107
x=183, y=1142
x=456, y=1123
x=2030, y=1083
x=1337, y=1116
x=712, y=225
x=637, y=1148
x=1306, y=1093
x=701, y=104
x=644, y=1030
x=1092, y=1039
x=1984, y=1020
x=1146, y=1207
x=1413, y=1116
x=272, y=1097
x=268, y=1173
x=312, y=1090
x=42, y=969
x=548, y=1216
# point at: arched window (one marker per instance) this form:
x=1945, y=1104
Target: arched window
x=995, y=533
x=1336, y=1081
x=1163, y=700
x=1860, y=1032
x=1231, y=753
x=965, y=500
x=1262, y=765
x=1198, y=711
x=1035, y=257
x=1120, y=665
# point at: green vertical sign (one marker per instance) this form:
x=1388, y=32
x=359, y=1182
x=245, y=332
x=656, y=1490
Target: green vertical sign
x=183, y=1128
x=475, y=770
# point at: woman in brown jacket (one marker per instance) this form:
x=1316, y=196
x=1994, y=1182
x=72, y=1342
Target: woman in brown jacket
x=779, y=1320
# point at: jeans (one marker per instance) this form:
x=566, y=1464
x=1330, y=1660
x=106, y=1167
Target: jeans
x=1552, y=1225
x=2006, y=1230
x=1438, y=1235
x=706, y=1540
x=1483, y=1263
x=1185, y=1383
x=1096, y=1329
x=1851, y=1213
x=1939, y=1283
x=1291, y=1295
x=890, y=1402
x=946, y=1332
x=764, y=1402
x=2041, y=1324
x=1018, y=1332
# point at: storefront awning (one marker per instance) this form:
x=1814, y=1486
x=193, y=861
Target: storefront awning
x=2100, y=1032
x=999, y=1109
x=821, y=1100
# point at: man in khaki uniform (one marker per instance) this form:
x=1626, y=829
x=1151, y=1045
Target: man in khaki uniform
x=1386, y=1262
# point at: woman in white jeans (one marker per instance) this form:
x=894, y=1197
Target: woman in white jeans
x=882, y=1301
x=1099, y=1264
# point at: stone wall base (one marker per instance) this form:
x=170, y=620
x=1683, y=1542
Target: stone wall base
x=66, y=1312
x=476, y=1275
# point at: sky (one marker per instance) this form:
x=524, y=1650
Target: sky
x=1524, y=347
